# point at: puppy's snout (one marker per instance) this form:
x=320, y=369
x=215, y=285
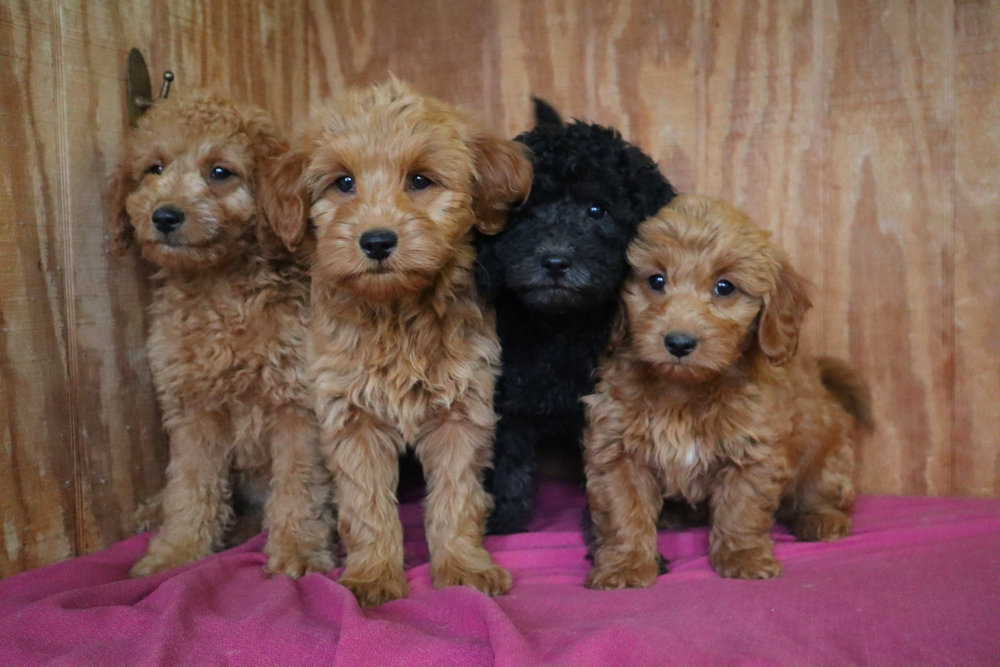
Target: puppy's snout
x=555, y=265
x=378, y=243
x=167, y=218
x=680, y=344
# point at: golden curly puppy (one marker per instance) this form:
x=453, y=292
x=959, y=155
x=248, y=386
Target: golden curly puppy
x=702, y=399
x=404, y=353
x=228, y=330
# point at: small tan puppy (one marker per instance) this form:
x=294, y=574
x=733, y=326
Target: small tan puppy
x=404, y=352
x=703, y=399
x=227, y=334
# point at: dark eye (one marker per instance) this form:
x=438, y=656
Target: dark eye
x=724, y=288
x=595, y=212
x=345, y=183
x=421, y=182
x=657, y=282
x=155, y=170
x=220, y=174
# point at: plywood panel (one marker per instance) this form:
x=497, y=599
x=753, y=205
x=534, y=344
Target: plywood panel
x=37, y=494
x=976, y=458
x=888, y=226
x=765, y=130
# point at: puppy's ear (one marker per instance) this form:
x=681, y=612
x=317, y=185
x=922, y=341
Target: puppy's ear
x=649, y=190
x=281, y=195
x=120, y=186
x=502, y=180
x=781, y=317
x=619, y=329
x=545, y=114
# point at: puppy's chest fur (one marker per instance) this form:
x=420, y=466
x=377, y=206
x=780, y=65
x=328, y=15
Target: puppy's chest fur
x=689, y=437
x=231, y=345
x=405, y=363
x=549, y=361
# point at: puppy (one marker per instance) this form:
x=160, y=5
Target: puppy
x=554, y=274
x=703, y=399
x=403, y=351
x=227, y=334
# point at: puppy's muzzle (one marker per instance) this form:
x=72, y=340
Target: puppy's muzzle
x=555, y=265
x=680, y=344
x=378, y=244
x=167, y=218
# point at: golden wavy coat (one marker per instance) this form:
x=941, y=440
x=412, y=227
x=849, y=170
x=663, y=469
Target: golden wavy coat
x=704, y=399
x=404, y=353
x=228, y=332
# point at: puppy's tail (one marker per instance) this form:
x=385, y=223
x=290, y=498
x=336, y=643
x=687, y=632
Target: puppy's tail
x=849, y=388
x=545, y=114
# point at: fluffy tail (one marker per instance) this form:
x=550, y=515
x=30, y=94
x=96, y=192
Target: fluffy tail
x=849, y=388
x=545, y=114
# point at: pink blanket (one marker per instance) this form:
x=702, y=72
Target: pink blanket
x=918, y=583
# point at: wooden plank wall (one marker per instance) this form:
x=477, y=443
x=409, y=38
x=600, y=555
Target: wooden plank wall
x=79, y=427
x=865, y=134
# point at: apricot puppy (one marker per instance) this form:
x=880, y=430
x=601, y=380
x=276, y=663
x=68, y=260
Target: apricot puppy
x=703, y=399
x=403, y=351
x=227, y=332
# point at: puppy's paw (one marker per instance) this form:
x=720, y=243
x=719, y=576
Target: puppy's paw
x=492, y=579
x=297, y=565
x=751, y=563
x=370, y=591
x=625, y=575
x=821, y=526
x=162, y=557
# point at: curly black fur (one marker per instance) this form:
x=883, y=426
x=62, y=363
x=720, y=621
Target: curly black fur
x=554, y=274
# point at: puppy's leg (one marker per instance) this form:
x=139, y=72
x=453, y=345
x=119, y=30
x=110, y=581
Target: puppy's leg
x=624, y=498
x=196, y=507
x=297, y=514
x=821, y=509
x=364, y=459
x=454, y=453
x=512, y=482
x=744, y=500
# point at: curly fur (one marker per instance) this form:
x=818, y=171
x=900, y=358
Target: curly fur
x=227, y=333
x=739, y=421
x=552, y=329
x=404, y=353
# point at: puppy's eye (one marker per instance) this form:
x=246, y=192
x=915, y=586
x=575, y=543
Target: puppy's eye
x=345, y=183
x=657, y=282
x=220, y=174
x=596, y=212
x=155, y=169
x=421, y=182
x=724, y=288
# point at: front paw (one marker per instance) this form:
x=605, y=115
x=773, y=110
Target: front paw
x=751, y=563
x=295, y=565
x=630, y=573
x=371, y=591
x=821, y=527
x=162, y=557
x=492, y=579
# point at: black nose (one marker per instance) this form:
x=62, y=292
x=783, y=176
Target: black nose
x=378, y=243
x=555, y=265
x=167, y=219
x=680, y=344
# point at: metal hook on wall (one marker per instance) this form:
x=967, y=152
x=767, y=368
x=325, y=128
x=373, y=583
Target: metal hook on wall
x=139, y=89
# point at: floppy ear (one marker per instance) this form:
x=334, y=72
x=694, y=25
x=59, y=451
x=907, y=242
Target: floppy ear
x=120, y=186
x=502, y=180
x=781, y=317
x=281, y=195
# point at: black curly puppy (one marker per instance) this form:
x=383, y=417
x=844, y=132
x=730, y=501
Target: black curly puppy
x=554, y=274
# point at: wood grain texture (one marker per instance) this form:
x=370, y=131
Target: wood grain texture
x=866, y=135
